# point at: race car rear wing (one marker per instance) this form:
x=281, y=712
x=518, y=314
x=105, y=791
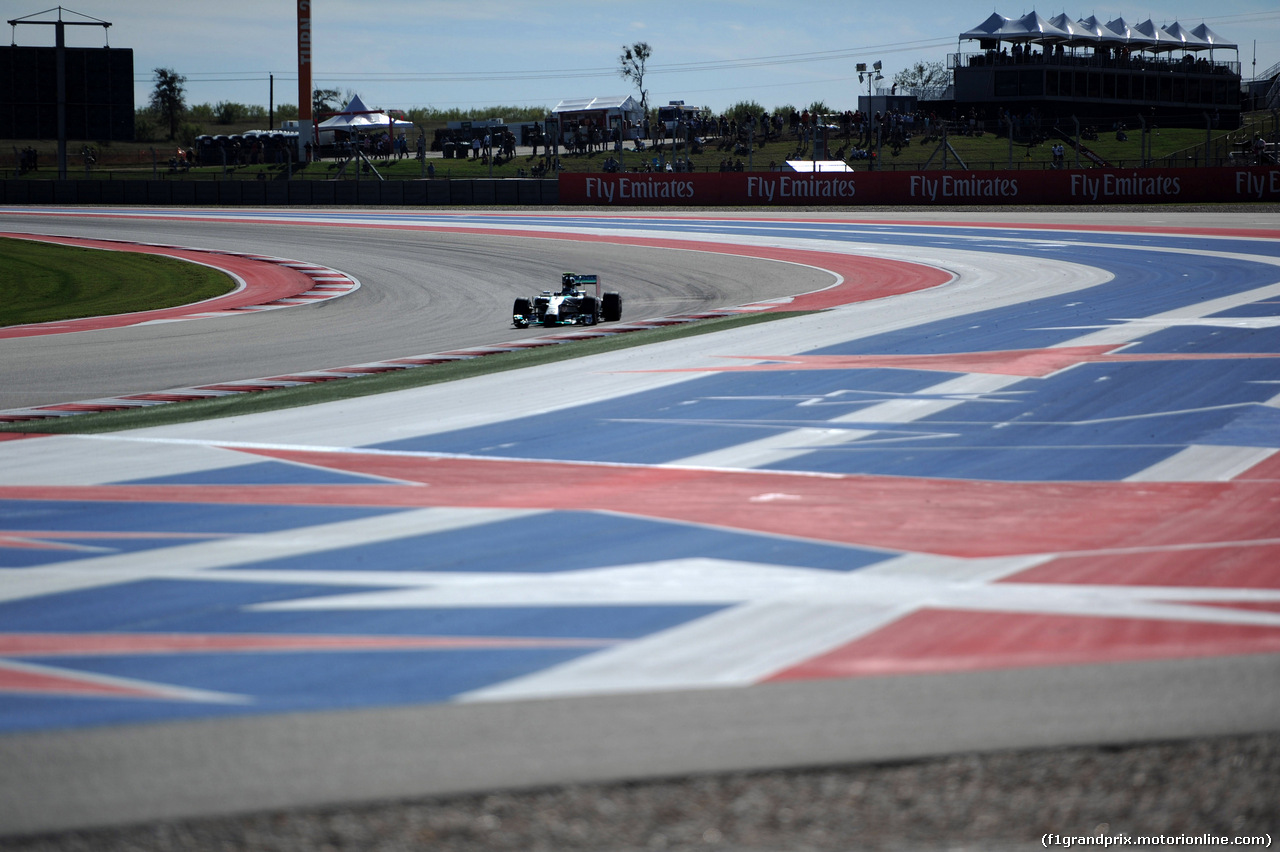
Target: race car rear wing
x=591, y=281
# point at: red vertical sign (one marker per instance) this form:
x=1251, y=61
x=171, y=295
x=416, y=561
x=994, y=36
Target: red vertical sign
x=304, y=62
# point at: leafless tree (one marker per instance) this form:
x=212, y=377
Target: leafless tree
x=922, y=76
x=631, y=67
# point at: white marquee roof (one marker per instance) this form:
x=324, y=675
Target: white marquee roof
x=1032, y=27
x=1189, y=40
x=356, y=116
x=1213, y=39
x=1160, y=39
x=626, y=103
x=1090, y=32
x=1079, y=34
x=1129, y=35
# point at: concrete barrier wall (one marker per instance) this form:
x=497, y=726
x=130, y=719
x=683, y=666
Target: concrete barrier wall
x=249, y=193
x=1068, y=186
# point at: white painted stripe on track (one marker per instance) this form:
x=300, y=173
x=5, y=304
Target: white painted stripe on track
x=736, y=647
x=1204, y=463
x=777, y=449
x=798, y=614
x=204, y=558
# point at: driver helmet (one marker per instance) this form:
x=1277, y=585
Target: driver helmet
x=567, y=282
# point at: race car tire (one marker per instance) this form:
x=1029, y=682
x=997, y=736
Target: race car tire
x=588, y=310
x=522, y=309
x=611, y=307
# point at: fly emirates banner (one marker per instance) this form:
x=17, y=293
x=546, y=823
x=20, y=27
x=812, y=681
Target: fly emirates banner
x=1066, y=186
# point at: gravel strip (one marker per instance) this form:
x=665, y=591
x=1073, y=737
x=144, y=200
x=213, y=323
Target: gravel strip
x=1227, y=787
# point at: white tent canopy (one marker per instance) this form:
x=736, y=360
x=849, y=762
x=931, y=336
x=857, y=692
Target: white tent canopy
x=1212, y=39
x=621, y=103
x=1099, y=29
x=993, y=27
x=1079, y=33
x=1029, y=28
x=1130, y=36
x=1186, y=38
x=356, y=117
x=1086, y=32
x=1160, y=39
x=1032, y=27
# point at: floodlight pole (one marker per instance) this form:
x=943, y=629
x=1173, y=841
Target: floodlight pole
x=60, y=60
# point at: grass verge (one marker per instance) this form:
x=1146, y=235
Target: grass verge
x=257, y=402
x=45, y=282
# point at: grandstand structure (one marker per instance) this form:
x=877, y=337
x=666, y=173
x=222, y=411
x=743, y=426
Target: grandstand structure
x=1099, y=73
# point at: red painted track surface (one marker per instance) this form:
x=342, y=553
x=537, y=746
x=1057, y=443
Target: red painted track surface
x=1209, y=538
x=965, y=518
x=936, y=639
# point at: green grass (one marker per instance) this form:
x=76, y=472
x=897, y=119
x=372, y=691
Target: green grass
x=312, y=394
x=43, y=282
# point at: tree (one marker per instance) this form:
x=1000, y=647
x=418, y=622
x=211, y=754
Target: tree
x=922, y=75
x=631, y=67
x=325, y=100
x=168, y=98
x=226, y=112
x=744, y=111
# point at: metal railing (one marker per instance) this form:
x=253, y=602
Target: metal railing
x=1133, y=62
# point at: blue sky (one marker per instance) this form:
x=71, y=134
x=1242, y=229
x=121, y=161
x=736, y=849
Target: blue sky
x=477, y=53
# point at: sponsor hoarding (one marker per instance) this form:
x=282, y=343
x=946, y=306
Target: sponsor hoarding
x=1066, y=186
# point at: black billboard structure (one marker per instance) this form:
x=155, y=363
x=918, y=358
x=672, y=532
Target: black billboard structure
x=99, y=93
x=65, y=92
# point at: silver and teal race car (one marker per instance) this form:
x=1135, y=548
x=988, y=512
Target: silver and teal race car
x=579, y=302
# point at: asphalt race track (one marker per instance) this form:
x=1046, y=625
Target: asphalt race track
x=435, y=291
x=1031, y=500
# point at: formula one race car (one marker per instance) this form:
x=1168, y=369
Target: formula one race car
x=573, y=305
